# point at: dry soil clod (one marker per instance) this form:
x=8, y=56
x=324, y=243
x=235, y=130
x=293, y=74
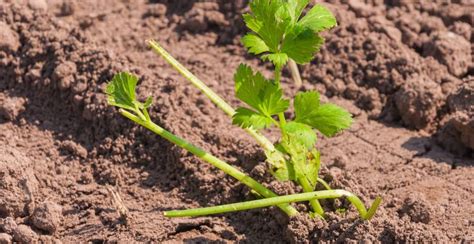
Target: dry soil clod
x=47, y=216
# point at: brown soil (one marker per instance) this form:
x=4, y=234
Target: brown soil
x=405, y=71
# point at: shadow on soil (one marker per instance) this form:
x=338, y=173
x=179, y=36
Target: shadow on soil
x=426, y=147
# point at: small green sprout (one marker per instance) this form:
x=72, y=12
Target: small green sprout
x=281, y=35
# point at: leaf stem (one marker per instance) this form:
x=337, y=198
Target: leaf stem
x=303, y=181
x=373, y=208
x=267, y=202
x=324, y=183
x=295, y=73
x=228, y=169
x=315, y=205
x=139, y=113
x=216, y=99
x=192, y=78
x=277, y=75
x=281, y=117
x=282, y=123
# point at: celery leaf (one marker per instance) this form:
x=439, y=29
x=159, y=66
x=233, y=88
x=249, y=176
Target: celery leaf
x=259, y=93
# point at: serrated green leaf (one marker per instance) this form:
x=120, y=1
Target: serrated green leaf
x=246, y=118
x=252, y=23
x=305, y=104
x=278, y=59
x=319, y=18
x=121, y=91
x=255, y=44
x=296, y=8
x=265, y=9
x=302, y=133
x=329, y=119
x=283, y=16
x=261, y=94
x=248, y=86
x=278, y=25
x=301, y=45
x=269, y=19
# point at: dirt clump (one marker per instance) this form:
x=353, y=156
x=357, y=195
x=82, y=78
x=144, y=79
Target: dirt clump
x=5, y=238
x=9, y=40
x=11, y=107
x=300, y=227
x=47, y=216
x=417, y=208
x=40, y=5
x=362, y=9
x=418, y=102
x=157, y=10
x=24, y=234
x=17, y=182
x=67, y=8
x=74, y=148
x=450, y=49
x=63, y=74
x=461, y=28
x=457, y=132
x=8, y=225
x=202, y=16
x=19, y=233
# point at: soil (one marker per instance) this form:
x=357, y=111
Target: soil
x=405, y=71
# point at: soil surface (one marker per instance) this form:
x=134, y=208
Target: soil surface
x=405, y=71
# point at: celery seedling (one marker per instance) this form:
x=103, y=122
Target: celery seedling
x=121, y=93
x=280, y=35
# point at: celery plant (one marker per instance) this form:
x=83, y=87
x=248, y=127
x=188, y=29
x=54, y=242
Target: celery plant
x=280, y=34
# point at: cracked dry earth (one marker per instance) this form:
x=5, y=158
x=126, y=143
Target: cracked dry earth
x=405, y=71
